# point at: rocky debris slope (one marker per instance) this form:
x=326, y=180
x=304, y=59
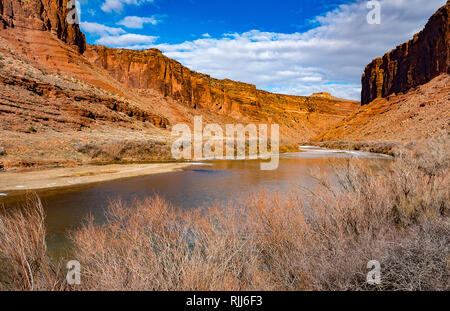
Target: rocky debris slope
x=411, y=64
x=31, y=98
x=418, y=114
x=46, y=118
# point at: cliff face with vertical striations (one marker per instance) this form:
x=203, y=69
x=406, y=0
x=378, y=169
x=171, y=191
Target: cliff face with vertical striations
x=150, y=69
x=411, y=64
x=46, y=15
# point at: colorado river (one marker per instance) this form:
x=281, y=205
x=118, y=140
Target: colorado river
x=199, y=185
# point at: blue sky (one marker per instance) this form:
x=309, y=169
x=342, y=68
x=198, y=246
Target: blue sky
x=292, y=47
x=183, y=20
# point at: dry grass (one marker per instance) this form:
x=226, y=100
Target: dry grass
x=127, y=151
x=319, y=241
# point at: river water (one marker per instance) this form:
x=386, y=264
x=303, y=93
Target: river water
x=200, y=185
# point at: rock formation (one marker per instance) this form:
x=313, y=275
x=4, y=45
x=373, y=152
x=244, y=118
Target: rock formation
x=411, y=64
x=322, y=94
x=46, y=15
x=150, y=69
x=31, y=98
x=406, y=93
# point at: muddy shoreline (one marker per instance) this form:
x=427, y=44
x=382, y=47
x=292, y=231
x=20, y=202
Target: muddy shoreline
x=83, y=175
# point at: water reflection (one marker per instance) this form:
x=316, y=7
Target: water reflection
x=201, y=185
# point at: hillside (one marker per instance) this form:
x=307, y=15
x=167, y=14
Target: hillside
x=418, y=114
x=405, y=95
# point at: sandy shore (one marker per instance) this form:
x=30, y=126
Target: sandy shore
x=66, y=177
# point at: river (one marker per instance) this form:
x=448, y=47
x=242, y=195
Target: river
x=200, y=185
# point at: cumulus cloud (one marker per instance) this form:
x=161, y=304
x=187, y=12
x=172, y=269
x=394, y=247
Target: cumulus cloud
x=138, y=22
x=115, y=36
x=100, y=30
x=330, y=57
x=117, y=5
x=126, y=40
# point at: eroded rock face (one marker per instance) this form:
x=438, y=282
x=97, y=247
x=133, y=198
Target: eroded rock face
x=411, y=64
x=31, y=98
x=46, y=15
x=322, y=95
x=150, y=69
x=421, y=113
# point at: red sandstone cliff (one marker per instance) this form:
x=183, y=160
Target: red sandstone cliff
x=36, y=37
x=46, y=15
x=32, y=29
x=412, y=63
x=150, y=69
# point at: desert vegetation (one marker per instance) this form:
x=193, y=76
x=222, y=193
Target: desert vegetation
x=24, y=262
x=313, y=239
x=127, y=151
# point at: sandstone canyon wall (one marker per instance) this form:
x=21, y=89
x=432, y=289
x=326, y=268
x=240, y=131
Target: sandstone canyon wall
x=150, y=69
x=46, y=15
x=411, y=64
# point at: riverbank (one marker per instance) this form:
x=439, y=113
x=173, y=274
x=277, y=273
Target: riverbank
x=387, y=148
x=67, y=177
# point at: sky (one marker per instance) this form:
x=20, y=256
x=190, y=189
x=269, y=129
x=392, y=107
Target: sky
x=285, y=46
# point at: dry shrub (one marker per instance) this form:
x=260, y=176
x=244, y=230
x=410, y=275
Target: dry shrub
x=398, y=217
x=419, y=260
x=23, y=250
x=153, y=246
x=267, y=244
x=127, y=151
x=319, y=241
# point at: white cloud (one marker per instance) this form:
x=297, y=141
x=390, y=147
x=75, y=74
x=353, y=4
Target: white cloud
x=115, y=36
x=126, y=40
x=117, y=5
x=138, y=22
x=100, y=30
x=330, y=57
x=341, y=90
